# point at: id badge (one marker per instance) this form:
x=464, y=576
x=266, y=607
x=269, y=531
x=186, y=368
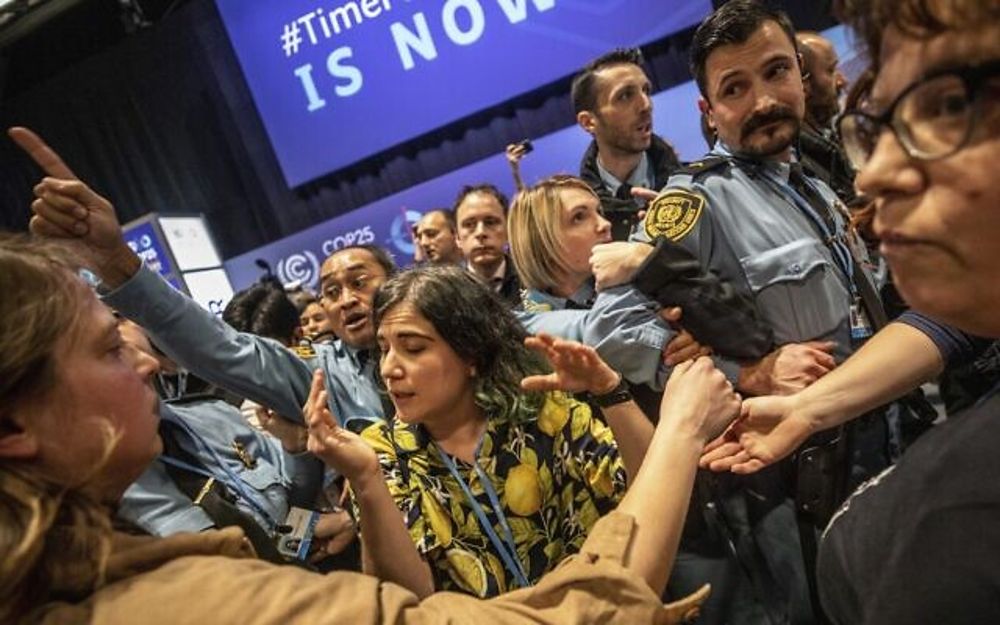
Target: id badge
x=301, y=524
x=861, y=326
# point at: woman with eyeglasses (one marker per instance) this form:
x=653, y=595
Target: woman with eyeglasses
x=917, y=544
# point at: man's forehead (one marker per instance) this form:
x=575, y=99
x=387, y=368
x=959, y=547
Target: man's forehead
x=479, y=205
x=433, y=220
x=610, y=77
x=820, y=45
x=766, y=43
x=349, y=262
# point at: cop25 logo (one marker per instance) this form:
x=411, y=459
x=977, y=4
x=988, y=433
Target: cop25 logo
x=361, y=236
x=302, y=267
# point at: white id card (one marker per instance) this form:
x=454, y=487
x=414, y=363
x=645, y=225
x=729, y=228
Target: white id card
x=861, y=326
x=301, y=525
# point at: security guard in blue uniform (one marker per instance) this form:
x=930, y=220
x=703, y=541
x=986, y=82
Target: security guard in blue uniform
x=747, y=222
x=750, y=215
x=215, y=469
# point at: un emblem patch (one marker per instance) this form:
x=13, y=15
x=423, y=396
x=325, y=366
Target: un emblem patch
x=673, y=214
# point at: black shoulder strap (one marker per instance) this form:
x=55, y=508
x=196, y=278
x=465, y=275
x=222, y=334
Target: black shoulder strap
x=699, y=167
x=192, y=398
x=212, y=497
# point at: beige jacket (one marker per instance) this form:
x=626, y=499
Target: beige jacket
x=211, y=578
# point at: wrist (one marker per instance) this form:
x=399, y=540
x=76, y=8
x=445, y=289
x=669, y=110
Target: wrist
x=752, y=378
x=364, y=481
x=686, y=433
x=617, y=394
x=606, y=385
x=809, y=414
x=118, y=266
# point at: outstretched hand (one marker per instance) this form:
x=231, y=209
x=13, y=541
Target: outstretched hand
x=66, y=208
x=769, y=429
x=577, y=367
x=341, y=449
x=789, y=368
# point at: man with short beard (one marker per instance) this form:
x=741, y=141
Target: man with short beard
x=612, y=101
x=749, y=214
x=819, y=147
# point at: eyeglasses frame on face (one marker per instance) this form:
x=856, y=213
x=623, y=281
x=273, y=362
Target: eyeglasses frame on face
x=973, y=78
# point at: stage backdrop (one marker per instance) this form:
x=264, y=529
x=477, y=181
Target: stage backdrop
x=387, y=222
x=372, y=74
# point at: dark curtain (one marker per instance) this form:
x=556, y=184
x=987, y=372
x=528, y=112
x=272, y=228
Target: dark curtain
x=164, y=122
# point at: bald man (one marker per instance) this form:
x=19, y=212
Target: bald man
x=819, y=149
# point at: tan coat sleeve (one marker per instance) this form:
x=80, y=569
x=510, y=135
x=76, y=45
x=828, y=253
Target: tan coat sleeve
x=591, y=587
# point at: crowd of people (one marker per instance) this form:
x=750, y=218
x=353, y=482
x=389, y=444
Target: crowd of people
x=654, y=392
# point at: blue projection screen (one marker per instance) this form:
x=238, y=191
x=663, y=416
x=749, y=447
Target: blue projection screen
x=335, y=82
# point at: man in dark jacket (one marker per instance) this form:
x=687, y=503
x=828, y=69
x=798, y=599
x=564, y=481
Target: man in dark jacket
x=611, y=99
x=481, y=216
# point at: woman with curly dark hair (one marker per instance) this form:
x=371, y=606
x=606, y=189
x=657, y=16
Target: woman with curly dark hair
x=497, y=482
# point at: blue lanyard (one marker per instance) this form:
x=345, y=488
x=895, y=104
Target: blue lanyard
x=229, y=478
x=508, y=552
x=841, y=253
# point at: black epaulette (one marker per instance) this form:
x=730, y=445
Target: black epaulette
x=193, y=398
x=700, y=167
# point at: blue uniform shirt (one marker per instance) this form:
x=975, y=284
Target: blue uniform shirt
x=739, y=220
x=259, y=369
x=276, y=480
x=621, y=325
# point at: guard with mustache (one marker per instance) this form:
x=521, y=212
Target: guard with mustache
x=752, y=217
x=612, y=101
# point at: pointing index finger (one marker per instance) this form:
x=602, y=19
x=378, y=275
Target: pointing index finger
x=40, y=152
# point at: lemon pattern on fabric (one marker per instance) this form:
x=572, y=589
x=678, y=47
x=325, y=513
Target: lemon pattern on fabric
x=555, y=473
x=522, y=490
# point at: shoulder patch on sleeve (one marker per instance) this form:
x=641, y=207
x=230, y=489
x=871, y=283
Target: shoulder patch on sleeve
x=530, y=303
x=673, y=214
x=304, y=350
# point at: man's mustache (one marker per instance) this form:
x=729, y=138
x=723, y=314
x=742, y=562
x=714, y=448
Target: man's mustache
x=771, y=115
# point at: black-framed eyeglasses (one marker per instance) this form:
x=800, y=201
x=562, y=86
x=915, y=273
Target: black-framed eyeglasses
x=932, y=118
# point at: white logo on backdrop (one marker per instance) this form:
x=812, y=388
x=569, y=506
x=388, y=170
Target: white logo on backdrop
x=302, y=267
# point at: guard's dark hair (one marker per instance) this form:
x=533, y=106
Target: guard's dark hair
x=264, y=310
x=583, y=92
x=920, y=19
x=486, y=188
x=478, y=326
x=733, y=23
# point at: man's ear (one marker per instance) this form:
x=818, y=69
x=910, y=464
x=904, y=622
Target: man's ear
x=16, y=442
x=706, y=109
x=587, y=120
